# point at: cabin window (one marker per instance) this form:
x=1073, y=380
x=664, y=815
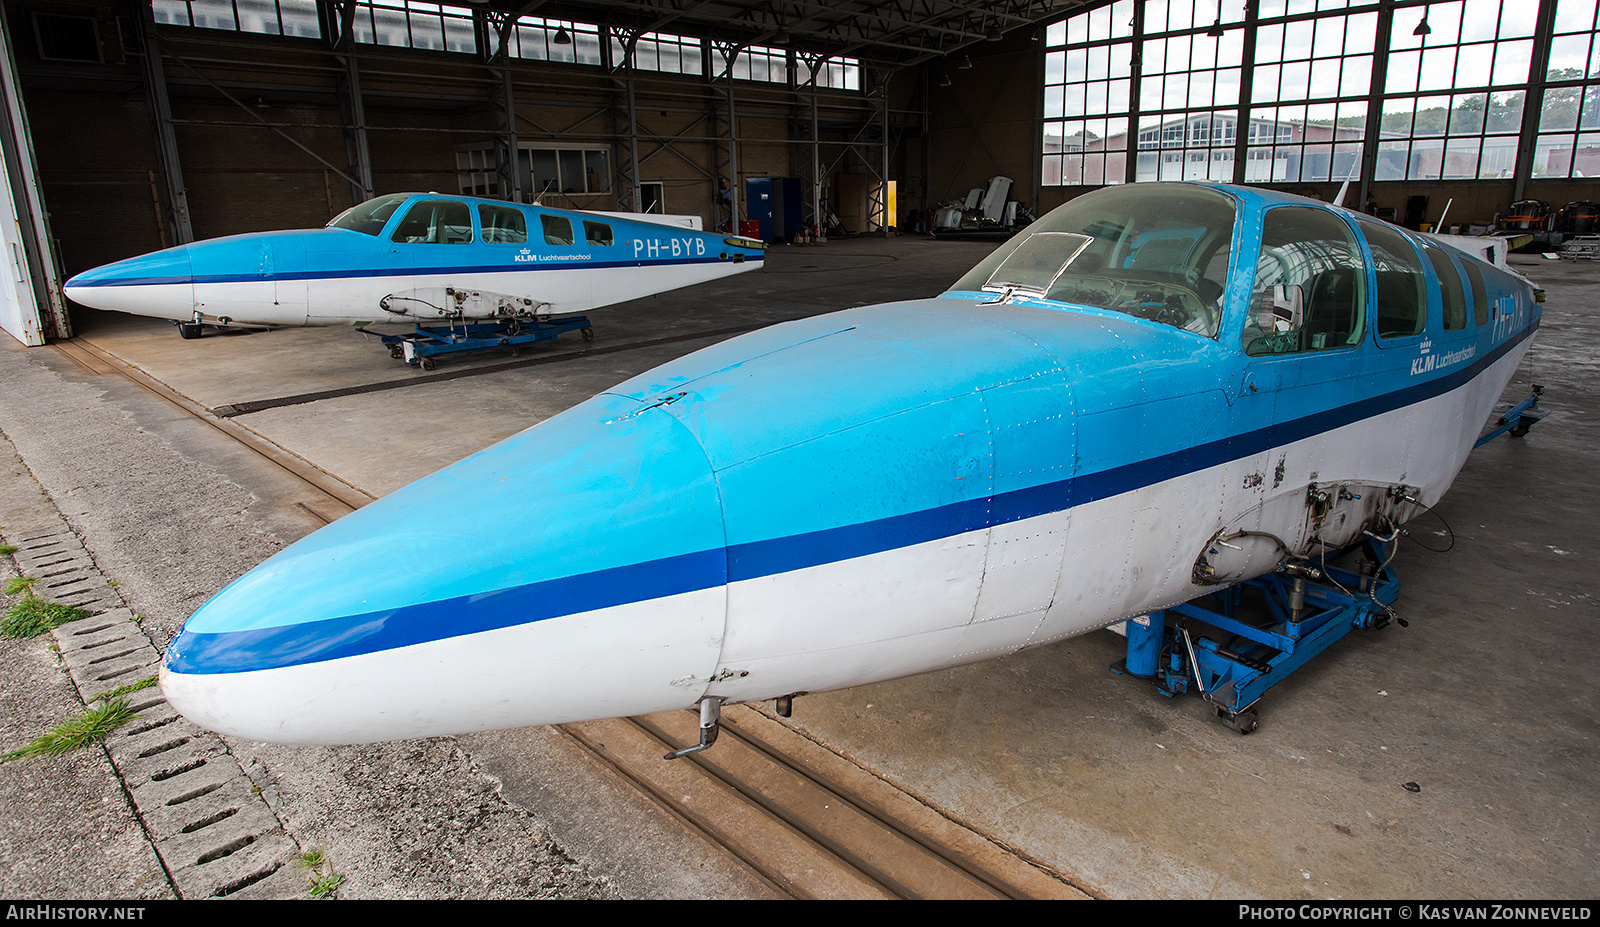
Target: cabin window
x=1452, y=297
x=598, y=233
x=1480, y=295
x=1160, y=254
x=1310, y=285
x=435, y=222
x=557, y=230
x=1402, y=295
x=370, y=217
x=503, y=225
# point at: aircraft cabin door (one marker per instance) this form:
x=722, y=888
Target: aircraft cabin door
x=1302, y=341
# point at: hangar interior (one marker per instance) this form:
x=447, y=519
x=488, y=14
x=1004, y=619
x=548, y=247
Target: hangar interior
x=1439, y=761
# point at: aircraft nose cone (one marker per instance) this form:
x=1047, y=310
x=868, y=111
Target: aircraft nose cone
x=159, y=284
x=573, y=571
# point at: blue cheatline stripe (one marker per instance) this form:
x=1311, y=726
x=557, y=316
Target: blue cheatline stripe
x=406, y=272
x=332, y=638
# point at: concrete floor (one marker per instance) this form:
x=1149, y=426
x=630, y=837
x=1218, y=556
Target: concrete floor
x=1483, y=702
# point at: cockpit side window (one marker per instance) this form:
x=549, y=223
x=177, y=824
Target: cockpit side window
x=370, y=217
x=1157, y=254
x=503, y=225
x=1480, y=295
x=1402, y=296
x=435, y=222
x=557, y=229
x=1452, y=296
x=1310, y=284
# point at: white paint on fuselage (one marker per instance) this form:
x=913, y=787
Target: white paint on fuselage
x=656, y=655
x=342, y=300
x=1125, y=555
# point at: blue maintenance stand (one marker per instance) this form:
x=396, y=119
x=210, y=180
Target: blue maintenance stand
x=1517, y=420
x=1298, y=612
x=420, y=346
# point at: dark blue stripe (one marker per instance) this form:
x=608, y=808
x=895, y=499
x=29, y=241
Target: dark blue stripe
x=402, y=272
x=332, y=638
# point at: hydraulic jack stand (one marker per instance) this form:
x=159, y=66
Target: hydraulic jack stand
x=1308, y=606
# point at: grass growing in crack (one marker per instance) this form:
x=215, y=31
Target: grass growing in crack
x=322, y=885
x=7, y=550
x=21, y=584
x=120, y=691
x=32, y=615
x=94, y=724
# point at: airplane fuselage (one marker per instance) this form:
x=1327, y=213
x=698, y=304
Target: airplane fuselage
x=466, y=259
x=894, y=489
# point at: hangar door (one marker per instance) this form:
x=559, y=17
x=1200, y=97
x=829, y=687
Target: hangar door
x=30, y=292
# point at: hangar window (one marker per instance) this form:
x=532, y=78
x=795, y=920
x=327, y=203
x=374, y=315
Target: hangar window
x=1088, y=87
x=503, y=225
x=67, y=38
x=268, y=17
x=540, y=39
x=1569, y=121
x=544, y=171
x=659, y=51
x=756, y=63
x=415, y=24
x=1439, y=87
x=838, y=72
x=1454, y=96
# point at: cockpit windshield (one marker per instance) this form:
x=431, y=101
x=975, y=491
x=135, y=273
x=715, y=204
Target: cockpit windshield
x=370, y=217
x=1157, y=252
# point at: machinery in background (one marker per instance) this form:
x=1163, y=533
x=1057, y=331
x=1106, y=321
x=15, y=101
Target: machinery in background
x=1580, y=222
x=1533, y=227
x=987, y=212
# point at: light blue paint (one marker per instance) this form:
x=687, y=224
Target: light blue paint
x=333, y=253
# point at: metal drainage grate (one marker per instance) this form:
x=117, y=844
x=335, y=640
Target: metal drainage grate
x=215, y=834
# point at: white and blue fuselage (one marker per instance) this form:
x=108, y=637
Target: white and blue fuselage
x=1054, y=445
x=417, y=257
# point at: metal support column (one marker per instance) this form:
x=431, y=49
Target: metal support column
x=354, y=116
x=1533, y=100
x=878, y=193
x=155, y=88
x=627, y=169
x=1374, y=130
x=817, y=223
x=494, y=35
x=1241, y=125
x=508, y=152
x=635, y=195
x=733, y=149
x=1130, y=169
